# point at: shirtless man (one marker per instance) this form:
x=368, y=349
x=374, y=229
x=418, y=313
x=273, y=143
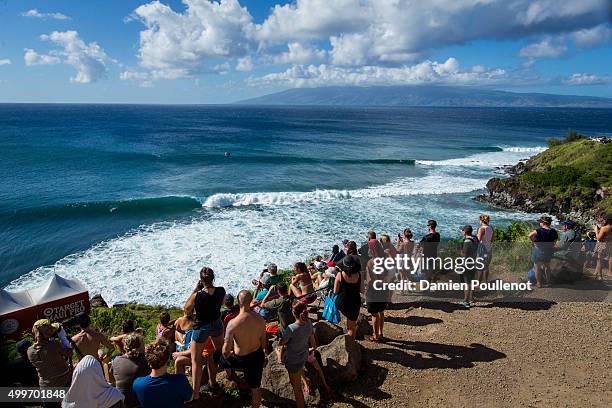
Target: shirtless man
x=88, y=340
x=245, y=340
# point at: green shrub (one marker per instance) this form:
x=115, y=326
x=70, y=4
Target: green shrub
x=516, y=231
x=571, y=136
x=110, y=320
x=586, y=180
x=558, y=176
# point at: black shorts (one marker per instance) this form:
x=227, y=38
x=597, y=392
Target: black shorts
x=251, y=364
x=376, y=307
x=468, y=276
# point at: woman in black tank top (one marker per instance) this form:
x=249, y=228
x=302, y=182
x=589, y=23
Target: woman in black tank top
x=206, y=300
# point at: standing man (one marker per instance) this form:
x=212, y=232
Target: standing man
x=49, y=357
x=245, y=341
x=468, y=253
x=429, y=244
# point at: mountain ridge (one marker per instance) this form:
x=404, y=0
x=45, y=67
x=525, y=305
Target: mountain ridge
x=422, y=95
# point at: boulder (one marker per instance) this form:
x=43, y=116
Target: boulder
x=325, y=332
x=566, y=267
x=342, y=360
x=363, y=326
x=276, y=387
x=98, y=301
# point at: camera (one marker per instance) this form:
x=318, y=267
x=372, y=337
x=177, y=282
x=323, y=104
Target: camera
x=75, y=320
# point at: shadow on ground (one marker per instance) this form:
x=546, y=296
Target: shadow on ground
x=368, y=385
x=413, y=320
x=424, y=355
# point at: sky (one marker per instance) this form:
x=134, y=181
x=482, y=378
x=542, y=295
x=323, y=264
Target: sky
x=201, y=51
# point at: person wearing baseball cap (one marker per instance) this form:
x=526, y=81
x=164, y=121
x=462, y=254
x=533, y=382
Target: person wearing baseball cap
x=263, y=289
x=48, y=356
x=568, y=235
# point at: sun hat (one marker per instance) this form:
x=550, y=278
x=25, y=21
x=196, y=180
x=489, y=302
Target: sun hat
x=349, y=265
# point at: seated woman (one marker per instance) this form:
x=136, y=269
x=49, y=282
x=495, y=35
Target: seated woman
x=129, y=366
x=301, y=284
x=182, y=359
x=90, y=389
x=183, y=329
x=165, y=328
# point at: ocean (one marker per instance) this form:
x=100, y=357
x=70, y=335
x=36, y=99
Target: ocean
x=134, y=200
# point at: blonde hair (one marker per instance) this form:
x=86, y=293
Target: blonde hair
x=485, y=218
x=158, y=353
x=132, y=343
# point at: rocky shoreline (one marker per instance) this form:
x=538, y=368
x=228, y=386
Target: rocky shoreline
x=517, y=192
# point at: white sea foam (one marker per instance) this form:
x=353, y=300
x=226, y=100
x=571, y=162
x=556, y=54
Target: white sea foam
x=432, y=184
x=508, y=156
x=158, y=264
x=519, y=149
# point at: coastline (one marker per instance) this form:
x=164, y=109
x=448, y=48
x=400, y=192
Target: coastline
x=558, y=181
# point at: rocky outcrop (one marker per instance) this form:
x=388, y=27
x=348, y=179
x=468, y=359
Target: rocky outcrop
x=514, y=194
x=364, y=328
x=276, y=387
x=98, y=301
x=342, y=360
x=325, y=332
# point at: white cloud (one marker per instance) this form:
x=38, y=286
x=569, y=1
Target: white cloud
x=580, y=79
x=32, y=58
x=89, y=60
x=360, y=34
x=313, y=19
x=222, y=69
x=34, y=13
x=387, y=32
x=178, y=44
x=298, y=53
x=547, y=48
x=5, y=61
x=427, y=72
x=244, y=64
x=593, y=37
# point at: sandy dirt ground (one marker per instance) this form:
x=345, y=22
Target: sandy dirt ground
x=548, y=351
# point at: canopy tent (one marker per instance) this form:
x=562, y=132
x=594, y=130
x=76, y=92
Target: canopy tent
x=57, y=299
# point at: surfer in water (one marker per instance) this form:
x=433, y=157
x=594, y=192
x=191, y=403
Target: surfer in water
x=228, y=154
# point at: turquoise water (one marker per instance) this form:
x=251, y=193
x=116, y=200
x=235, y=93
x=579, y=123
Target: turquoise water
x=133, y=200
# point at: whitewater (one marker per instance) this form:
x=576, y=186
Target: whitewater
x=237, y=234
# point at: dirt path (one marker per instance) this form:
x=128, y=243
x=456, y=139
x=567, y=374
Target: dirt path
x=438, y=355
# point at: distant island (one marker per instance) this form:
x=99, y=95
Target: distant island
x=423, y=95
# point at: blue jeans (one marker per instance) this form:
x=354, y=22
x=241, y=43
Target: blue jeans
x=201, y=333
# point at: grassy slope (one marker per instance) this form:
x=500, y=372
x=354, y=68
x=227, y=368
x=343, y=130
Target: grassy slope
x=576, y=168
